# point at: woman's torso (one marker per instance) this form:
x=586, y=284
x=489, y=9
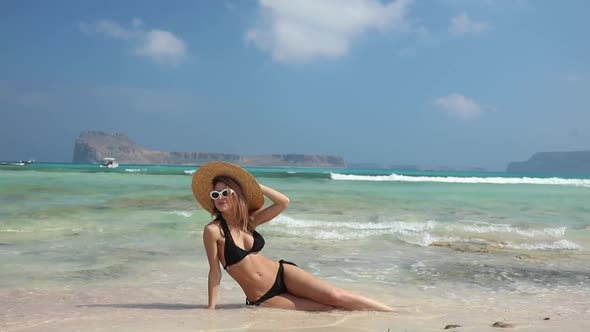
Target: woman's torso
x=255, y=273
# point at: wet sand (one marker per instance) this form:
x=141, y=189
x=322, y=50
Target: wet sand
x=164, y=307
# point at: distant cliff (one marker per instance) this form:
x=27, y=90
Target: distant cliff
x=93, y=146
x=577, y=162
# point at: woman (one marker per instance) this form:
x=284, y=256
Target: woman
x=236, y=199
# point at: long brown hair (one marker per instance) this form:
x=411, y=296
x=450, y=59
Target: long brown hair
x=240, y=209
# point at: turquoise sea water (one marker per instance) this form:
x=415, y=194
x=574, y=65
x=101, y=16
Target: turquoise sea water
x=67, y=225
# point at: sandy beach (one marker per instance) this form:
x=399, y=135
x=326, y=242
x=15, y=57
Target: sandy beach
x=176, y=301
x=131, y=309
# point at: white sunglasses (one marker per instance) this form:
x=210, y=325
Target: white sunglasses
x=214, y=194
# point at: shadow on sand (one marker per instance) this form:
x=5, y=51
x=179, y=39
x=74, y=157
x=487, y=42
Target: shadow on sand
x=160, y=306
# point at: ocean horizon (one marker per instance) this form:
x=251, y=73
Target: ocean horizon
x=181, y=168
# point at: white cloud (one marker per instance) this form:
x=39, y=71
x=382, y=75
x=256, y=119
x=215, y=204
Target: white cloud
x=159, y=45
x=462, y=25
x=300, y=31
x=460, y=106
x=162, y=46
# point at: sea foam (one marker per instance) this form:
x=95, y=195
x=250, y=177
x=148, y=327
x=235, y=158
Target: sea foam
x=185, y=214
x=427, y=233
x=135, y=170
x=456, y=179
x=557, y=245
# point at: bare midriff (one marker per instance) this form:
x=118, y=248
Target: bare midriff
x=255, y=274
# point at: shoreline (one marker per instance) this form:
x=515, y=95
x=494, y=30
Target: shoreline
x=171, y=295
x=164, y=309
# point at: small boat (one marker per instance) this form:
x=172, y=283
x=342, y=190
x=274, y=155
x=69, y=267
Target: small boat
x=109, y=163
x=16, y=163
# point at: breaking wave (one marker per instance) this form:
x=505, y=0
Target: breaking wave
x=428, y=233
x=455, y=179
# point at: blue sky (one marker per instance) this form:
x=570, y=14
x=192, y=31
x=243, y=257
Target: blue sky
x=464, y=83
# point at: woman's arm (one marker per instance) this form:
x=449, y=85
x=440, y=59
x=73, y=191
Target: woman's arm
x=210, y=235
x=280, y=202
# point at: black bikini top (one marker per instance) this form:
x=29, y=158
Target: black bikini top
x=234, y=254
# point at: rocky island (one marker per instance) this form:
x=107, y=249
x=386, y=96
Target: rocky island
x=93, y=146
x=576, y=162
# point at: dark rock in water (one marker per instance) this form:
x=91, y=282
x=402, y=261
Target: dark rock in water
x=98, y=273
x=503, y=325
x=452, y=326
x=441, y=244
x=93, y=146
x=546, y=318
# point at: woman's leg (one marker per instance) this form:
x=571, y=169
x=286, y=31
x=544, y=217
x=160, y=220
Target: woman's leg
x=290, y=301
x=304, y=285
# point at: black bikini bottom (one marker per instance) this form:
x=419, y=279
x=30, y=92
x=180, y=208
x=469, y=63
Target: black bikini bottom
x=277, y=288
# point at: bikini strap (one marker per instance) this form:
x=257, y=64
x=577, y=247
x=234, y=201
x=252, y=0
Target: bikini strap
x=226, y=231
x=225, y=228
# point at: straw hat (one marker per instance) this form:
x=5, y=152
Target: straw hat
x=202, y=184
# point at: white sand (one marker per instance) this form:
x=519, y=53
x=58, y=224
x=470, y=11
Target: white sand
x=165, y=308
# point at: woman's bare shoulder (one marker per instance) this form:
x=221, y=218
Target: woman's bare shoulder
x=213, y=228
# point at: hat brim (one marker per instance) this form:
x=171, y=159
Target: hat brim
x=203, y=184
